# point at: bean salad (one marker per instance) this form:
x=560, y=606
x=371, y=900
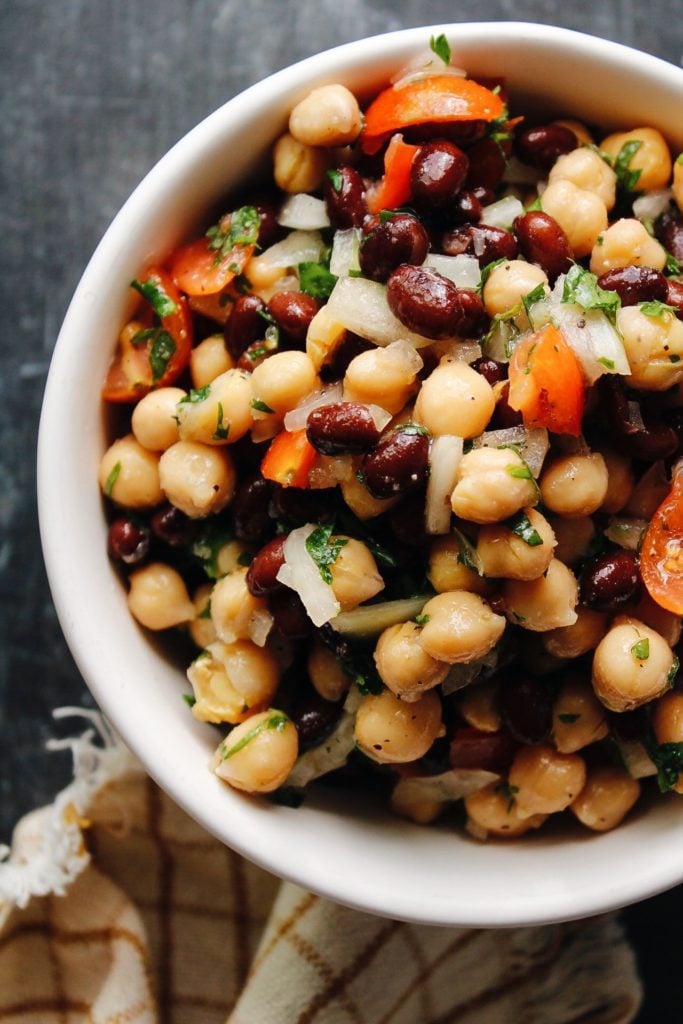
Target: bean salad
x=402, y=459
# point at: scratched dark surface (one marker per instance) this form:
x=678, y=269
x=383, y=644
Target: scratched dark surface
x=92, y=92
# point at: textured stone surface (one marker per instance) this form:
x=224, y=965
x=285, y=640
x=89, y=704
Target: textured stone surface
x=91, y=94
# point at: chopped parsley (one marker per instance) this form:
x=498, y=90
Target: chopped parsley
x=413, y=428
x=276, y=720
x=668, y=760
x=324, y=550
x=519, y=472
x=422, y=620
x=568, y=718
x=316, y=280
x=508, y=791
x=673, y=671
x=609, y=364
x=221, y=432
x=112, y=478
x=488, y=270
x=245, y=559
x=627, y=178
x=380, y=552
x=243, y=228
x=205, y=613
x=535, y=295
x=161, y=352
x=441, y=47
x=674, y=359
x=641, y=649
x=581, y=287
x=160, y=302
x=536, y=205
x=207, y=546
x=196, y=395
x=521, y=526
x=336, y=179
x=673, y=265
x=360, y=668
x=655, y=308
x=467, y=554
x=260, y=406
x=679, y=159
x=189, y=699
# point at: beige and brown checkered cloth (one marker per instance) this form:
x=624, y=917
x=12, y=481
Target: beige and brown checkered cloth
x=137, y=915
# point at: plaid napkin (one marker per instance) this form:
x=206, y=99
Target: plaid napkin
x=116, y=907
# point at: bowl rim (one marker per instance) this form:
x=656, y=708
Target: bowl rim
x=54, y=510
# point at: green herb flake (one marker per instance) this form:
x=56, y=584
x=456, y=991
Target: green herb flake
x=517, y=617
x=196, y=395
x=324, y=550
x=260, y=406
x=521, y=526
x=413, y=428
x=609, y=364
x=672, y=265
x=160, y=302
x=441, y=47
x=509, y=792
x=221, y=432
x=276, y=720
x=673, y=671
x=162, y=350
x=641, y=649
x=189, y=699
x=519, y=472
x=380, y=552
x=674, y=359
x=536, y=205
x=535, y=295
x=205, y=613
x=488, y=270
x=111, y=479
x=336, y=178
x=242, y=228
x=627, y=178
x=679, y=159
x=467, y=554
x=582, y=288
x=316, y=280
x=568, y=718
x=422, y=620
x=207, y=546
x=668, y=760
x=655, y=308
x=245, y=559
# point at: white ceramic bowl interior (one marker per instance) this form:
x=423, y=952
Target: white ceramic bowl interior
x=334, y=845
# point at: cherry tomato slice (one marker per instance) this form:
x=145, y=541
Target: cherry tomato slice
x=546, y=383
x=289, y=459
x=661, y=553
x=200, y=270
x=394, y=188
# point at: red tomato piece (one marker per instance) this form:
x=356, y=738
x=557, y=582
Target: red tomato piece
x=661, y=554
x=394, y=188
x=155, y=356
x=200, y=270
x=546, y=383
x=434, y=100
x=289, y=459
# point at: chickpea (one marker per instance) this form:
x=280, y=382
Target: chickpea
x=677, y=183
x=492, y=484
x=263, y=276
x=575, y=485
x=201, y=627
x=208, y=360
x=460, y=627
x=607, y=797
x=545, y=603
x=328, y=116
x=654, y=348
x=479, y=707
x=258, y=755
x=282, y=380
x=129, y=474
x=355, y=577
x=416, y=807
x=232, y=681
x=508, y=283
x=504, y=554
x=492, y=810
x=447, y=570
x=455, y=399
x=573, y=536
x=158, y=597
x=632, y=665
x=380, y=376
x=323, y=336
x=197, y=479
x=229, y=557
x=326, y=673
x=582, y=215
x=154, y=419
x=587, y=170
x=578, y=716
x=667, y=722
x=582, y=636
x=391, y=731
x=583, y=136
x=620, y=481
x=652, y=158
x=297, y=167
x=363, y=504
x=235, y=612
x=626, y=243
x=403, y=664
x=544, y=780
x=220, y=413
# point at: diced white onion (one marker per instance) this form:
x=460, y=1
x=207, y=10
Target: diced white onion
x=302, y=575
x=625, y=532
x=462, y=270
x=591, y=336
x=404, y=356
x=260, y=625
x=304, y=212
x=373, y=619
x=463, y=351
x=532, y=444
x=636, y=759
x=361, y=306
x=460, y=676
x=380, y=416
x=503, y=212
x=333, y=752
x=425, y=64
x=517, y=173
x=297, y=417
x=452, y=785
x=444, y=458
x=330, y=470
x=344, y=255
x=297, y=247
x=652, y=204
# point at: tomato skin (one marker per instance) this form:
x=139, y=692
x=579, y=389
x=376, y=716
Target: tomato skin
x=199, y=270
x=435, y=100
x=289, y=459
x=661, y=553
x=394, y=188
x=131, y=375
x=546, y=383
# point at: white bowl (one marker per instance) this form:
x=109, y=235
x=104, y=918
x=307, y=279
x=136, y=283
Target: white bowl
x=337, y=847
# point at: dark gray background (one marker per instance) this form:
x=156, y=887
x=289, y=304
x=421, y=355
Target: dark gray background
x=92, y=92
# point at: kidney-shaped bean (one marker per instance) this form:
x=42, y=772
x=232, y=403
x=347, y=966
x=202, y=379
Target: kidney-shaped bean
x=431, y=305
x=342, y=428
x=398, y=463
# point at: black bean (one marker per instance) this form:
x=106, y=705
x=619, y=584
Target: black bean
x=428, y=303
x=314, y=718
x=250, y=510
x=635, y=284
x=651, y=441
x=466, y=208
x=293, y=312
x=299, y=505
x=289, y=615
x=437, y=173
x=504, y=416
x=173, y=526
x=610, y=580
x=487, y=165
x=127, y=541
x=674, y=296
x=264, y=567
x=460, y=132
x=540, y=147
x=484, y=241
x=407, y=520
x=254, y=355
x=342, y=428
x=344, y=194
x=269, y=230
x=541, y=240
x=399, y=239
x=490, y=370
x=245, y=325
x=669, y=231
x=398, y=464
x=526, y=708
